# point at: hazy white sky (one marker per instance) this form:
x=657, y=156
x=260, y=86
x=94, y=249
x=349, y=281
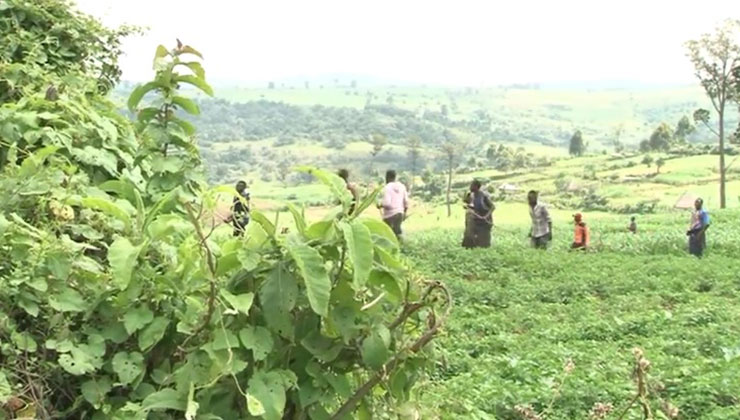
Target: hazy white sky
x=461, y=42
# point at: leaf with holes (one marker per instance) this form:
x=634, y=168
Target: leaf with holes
x=278, y=296
x=269, y=389
x=128, y=366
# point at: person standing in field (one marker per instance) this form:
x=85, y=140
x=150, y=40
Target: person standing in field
x=478, y=218
x=633, y=225
x=239, y=217
x=697, y=229
x=541, y=233
x=394, y=203
x=581, y=236
x=344, y=174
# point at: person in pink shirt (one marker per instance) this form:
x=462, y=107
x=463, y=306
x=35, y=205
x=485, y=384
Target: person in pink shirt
x=394, y=203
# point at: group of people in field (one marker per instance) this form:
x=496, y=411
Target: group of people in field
x=479, y=207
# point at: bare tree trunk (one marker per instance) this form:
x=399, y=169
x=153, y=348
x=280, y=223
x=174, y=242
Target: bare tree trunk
x=449, y=187
x=722, y=198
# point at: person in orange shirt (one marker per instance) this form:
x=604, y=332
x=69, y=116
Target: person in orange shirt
x=581, y=237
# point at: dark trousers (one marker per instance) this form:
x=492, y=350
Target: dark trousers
x=395, y=222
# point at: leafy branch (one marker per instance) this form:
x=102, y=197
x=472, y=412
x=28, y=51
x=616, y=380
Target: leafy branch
x=434, y=324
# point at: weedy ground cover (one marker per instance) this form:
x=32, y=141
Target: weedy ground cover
x=521, y=316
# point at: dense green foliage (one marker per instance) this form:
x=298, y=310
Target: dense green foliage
x=521, y=316
x=45, y=42
x=120, y=298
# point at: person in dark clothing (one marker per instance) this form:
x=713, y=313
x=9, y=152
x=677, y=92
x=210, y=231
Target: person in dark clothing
x=240, y=209
x=479, y=218
x=697, y=229
x=344, y=174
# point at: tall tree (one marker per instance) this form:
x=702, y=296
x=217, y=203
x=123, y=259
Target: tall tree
x=617, y=142
x=414, y=146
x=715, y=56
x=684, y=129
x=662, y=138
x=659, y=164
x=577, y=145
x=451, y=149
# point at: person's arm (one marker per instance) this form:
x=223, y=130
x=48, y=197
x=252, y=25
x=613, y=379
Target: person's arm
x=549, y=222
x=490, y=206
x=704, y=222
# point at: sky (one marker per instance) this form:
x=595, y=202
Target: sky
x=449, y=42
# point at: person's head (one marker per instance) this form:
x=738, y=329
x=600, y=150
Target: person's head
x=532, y=197
x=578, y=217
x=344, y=174
x=475, y=186
x=632, y=219
x=241, y=186
x=390, y=176
x=699, y=203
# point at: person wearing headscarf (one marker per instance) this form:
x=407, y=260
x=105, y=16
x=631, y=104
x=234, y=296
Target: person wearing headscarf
x=697, y=229
x=478, y=217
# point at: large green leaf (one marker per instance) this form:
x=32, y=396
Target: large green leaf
x=278, y=297
x=108, y=207
x=188, y=128
x=24, y=341
x=258, y=339
x=138, y=94
x=154, y=332
x=381, y=229
x=337, y=185
x=122, y=256
x=312, y=269
x=124, y=189
x=95, y=390
x=161, y=52
x=241, y=303
x=128, y=366
x=323, y=348
x=360, y=250
x=67, y=300
x=137, y=318
x=375, y=348
x=263, y=221
x=196, y=68
x=166, y=399
x=101, y=158
x=82, y=359
x=186, y=104
x=195, y=81
x=367, y=201
x=31, y=164
x=267, y=388
x=300, y=221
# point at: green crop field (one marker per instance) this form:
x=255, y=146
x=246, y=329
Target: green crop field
x=521, y=315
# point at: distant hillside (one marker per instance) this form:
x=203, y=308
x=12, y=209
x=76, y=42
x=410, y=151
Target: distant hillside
x=268, y=129
x=547, y=116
